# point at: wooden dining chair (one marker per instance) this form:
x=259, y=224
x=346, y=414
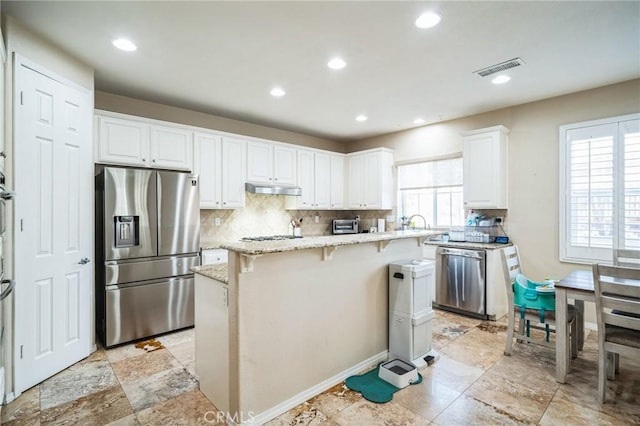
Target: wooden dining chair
x=626, y=257
x=531, y=318
x=617, y=296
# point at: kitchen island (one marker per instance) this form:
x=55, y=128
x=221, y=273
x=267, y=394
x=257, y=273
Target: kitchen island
x=294, y=318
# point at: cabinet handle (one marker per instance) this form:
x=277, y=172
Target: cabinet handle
x=144, y=160
x=153, y=161
x=276, y=179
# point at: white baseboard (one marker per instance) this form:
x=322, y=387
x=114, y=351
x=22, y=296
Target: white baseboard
x=298, y=399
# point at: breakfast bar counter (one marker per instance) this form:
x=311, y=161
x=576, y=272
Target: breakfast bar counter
x=295, y=318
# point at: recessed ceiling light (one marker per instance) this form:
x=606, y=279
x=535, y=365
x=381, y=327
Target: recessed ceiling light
x=124, y=44
x=278, y=92
x=362, y=117
x=336, y=63
x=418, y=121
x=428, y=20
x=501, y=79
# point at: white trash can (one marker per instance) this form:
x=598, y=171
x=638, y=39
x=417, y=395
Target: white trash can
x=410, y=313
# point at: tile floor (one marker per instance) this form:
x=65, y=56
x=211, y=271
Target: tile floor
x=473, y=383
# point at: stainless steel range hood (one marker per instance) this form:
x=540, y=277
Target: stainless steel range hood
x=262, y=188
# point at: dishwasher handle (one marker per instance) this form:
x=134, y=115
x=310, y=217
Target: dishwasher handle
x=473, y=254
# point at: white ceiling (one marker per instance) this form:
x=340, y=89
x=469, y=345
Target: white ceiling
x=223, y=57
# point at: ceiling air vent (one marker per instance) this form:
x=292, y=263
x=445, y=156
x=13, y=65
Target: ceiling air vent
x=511, y=63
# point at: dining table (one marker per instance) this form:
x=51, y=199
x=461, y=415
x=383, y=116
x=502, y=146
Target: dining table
x=577, y=285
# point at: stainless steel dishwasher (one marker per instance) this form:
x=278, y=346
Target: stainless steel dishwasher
x=460, y=281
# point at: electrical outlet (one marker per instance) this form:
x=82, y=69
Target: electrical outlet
x=316, y=219
x=216, y=221
x=390, y=219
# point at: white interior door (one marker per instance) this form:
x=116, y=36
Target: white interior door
x=53, y=224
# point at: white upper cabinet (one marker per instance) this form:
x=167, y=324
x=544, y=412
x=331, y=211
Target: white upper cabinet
x=321, y=177
x=171, y=148
x=122, y=141
x=135, y=141
x=207, y=165
x=234, y=171
x=337, y=181
x=220, y=164
x=370, y=180
x=271, y=163
x=485, y=168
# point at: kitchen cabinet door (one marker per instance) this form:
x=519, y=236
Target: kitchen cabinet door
x=122, y=141
x=370, y=180
x=485, y=168
x=372, y=187
x=284, y=165
x=234, y=171
x=356, y=181
x=337, y=182
x=322, y=184
x=171, y=148
x=259, y=162
x=208, y=167
x=306, y=180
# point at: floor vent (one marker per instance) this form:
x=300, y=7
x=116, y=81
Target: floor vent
x=511, y=63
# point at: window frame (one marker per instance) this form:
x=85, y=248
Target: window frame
x=591, y=254
x=400, y=200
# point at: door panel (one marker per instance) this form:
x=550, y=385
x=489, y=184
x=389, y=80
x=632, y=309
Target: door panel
x=53, y=224
x=178, y=213
x=132, y=310
x=130, y=192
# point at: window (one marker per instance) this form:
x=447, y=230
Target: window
x=432, y=189
x=599, y=188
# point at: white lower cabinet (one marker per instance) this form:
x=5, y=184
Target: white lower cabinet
x=140, y=142
x=211, y=311
x=220, y=164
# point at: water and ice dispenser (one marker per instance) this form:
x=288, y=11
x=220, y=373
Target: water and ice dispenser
x=410, y=313
x=126, y=231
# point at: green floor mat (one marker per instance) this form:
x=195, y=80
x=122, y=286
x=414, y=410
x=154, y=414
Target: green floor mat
x=373, y=388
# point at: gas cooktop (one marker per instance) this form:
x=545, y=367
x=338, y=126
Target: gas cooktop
x=271, y=238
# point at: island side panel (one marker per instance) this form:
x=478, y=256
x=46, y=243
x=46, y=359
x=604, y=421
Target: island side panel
x=302, y=320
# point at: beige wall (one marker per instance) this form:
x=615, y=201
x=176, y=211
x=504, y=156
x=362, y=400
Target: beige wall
x=532, y=217
x=126, y=105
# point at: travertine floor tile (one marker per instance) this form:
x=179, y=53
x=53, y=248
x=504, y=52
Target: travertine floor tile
x=428, y=399
x=144, y=365
x=130, y=420
x=454, y=374
x=469, y=411
x=78, y=381
x=563, y=412
x=190, y=408
x=371, y=414
x=25, y=406
x=97, y=408
x=477, y=348
x=178, y=337
x=149, y=391
x=303, y=415
x=334, y=400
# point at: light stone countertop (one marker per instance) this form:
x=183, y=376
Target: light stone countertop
x=262, y=247
x=219, y=272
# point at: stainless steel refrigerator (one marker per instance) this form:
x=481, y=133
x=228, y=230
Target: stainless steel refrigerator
x=147, y=239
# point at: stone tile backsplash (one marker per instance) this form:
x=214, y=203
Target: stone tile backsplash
x=266, y=215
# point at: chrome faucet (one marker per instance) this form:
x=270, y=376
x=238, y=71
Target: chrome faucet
x=426, y=226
